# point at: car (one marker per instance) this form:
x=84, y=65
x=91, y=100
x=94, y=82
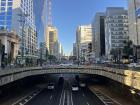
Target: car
x=51, y=86
x=82, y=84
x=75, y=87
x=132, y=65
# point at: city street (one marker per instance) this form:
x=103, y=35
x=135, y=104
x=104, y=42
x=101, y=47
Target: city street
x=63, y=95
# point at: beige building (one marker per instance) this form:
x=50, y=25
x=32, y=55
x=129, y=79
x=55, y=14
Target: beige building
x=51, y=39
x=11, y=42
x=134, y=21
x=83, y=38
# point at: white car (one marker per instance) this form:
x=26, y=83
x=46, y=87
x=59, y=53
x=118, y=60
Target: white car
x=82, y=84
x=50, y=86
x=132, y=65
x=75, y=87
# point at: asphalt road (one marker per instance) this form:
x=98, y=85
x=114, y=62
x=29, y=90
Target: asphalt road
x=62, y=95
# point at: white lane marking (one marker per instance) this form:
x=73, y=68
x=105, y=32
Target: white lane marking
x=23, y=98
x=61, y=98
x=71, y=99
x=64, y=98
x=110, y=98
x=68, y=97
x=87, y=103
x=83, y=95
x=26, y=100
x=21, y=104
x=51, y=97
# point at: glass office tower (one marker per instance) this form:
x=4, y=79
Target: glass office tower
x=6, y=14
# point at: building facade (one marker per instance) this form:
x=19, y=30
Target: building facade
x=18, y=16
x=116, y=28
x=83, y=38
x=51, y=39
x=74, y=49
x=43, y=51
x=99, y=35
x=58, y=50
x=134, y=25
x=10, y=41
x=134, y=21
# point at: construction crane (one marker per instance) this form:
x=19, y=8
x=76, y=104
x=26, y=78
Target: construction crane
x=49, y=12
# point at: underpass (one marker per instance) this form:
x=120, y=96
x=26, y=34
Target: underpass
x=113, y=78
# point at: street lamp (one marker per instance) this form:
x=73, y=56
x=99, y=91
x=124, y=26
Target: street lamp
x=22, y=21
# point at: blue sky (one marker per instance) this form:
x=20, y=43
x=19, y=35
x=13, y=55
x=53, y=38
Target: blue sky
x=68, y=14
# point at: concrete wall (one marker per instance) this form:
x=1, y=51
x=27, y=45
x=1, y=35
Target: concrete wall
x=126, y=77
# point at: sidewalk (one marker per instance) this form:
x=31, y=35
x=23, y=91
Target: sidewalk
x=104, y=90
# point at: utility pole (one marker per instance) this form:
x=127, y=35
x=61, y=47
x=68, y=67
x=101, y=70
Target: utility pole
x=22, y=21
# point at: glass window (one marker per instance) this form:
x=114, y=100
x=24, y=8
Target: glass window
x=9, y=18
x=9, y=9
x=9, y=13
x=8, y=23
x=2, y=8
x=2, y=23
x=9, y=3
x=2, y=13
x=3, y=3
x=2, y=17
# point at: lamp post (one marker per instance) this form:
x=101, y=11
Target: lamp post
x=22, y=21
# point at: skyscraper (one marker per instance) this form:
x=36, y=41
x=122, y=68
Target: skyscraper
x=6, y=14
x=134, y=20
x=51, y=39
x=134, y=25
x=99, y=34
x=13, y=18
x=83, y=38
x=116, y=28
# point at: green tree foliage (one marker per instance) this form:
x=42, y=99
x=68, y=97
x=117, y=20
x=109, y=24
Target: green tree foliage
x=128, y=48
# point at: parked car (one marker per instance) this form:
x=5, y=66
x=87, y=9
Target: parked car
x=75, y=87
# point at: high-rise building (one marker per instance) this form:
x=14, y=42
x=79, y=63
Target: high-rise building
x=99, y=34
x=51, y=39
x=83, y=38
x=6, y=14
x=40, y=17
x=74, y=49
x=58, y=50
x=134, y=21
x=134, y=25
x=18, y=16
x=116, y=28
x=42, y=51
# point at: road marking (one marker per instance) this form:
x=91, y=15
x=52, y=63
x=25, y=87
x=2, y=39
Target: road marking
x=51, y=97
x=64, y=98
x=21, y=104
x=61, y=98
x=26, y=100
x=83, y=95
x=87, y=103
x=105, y=99
x=31, y=95
x=71, y=99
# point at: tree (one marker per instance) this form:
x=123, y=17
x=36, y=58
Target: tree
x=114, y=54
x=128, y=48
x=47, y=54
x=52, y=58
